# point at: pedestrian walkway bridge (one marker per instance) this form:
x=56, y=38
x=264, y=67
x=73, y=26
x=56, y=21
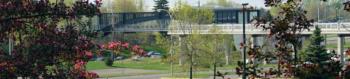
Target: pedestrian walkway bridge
x=226, y=21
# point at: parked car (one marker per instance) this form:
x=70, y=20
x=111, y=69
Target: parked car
x=153, y=54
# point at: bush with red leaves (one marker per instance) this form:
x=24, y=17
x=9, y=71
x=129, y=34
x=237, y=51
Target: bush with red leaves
x=42, y=48
x=118, y=46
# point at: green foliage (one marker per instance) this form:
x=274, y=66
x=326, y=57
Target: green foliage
x=286, y=30
x=188, y=14
x=162, y=42
x=108, y=61
x=315, y=52
x=274, y=11
x=319, y=63
x=221, y=3
x=122, y=6
x=326, y=11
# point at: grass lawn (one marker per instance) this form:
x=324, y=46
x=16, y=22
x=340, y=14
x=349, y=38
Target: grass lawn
x=156, y=64
x=151, y=64
x=122, y=75
x=335, y=46
x=146, y=63
x=96, y=65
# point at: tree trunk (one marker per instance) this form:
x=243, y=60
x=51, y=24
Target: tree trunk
x=214, y=70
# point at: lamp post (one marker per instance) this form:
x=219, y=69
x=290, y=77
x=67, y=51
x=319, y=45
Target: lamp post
x=171, y=51
x=244, y=41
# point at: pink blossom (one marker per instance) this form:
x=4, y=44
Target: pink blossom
x=135, y=48
x=112, y=45
x=125, y=45
x=88, y=54
x=79, y=64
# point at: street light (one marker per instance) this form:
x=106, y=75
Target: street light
x=171, y=51
x=244, y=41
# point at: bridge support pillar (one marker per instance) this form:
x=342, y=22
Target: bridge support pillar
x=341, y=48
x=228, y=56
x=254, y=40
x=181, y=52
x=254, y=43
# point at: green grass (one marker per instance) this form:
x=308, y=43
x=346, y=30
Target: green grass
x=152, y=64
x=156, y=64
x=96, y=65
x=334, y=46
x=122, y=75
x=147, y=63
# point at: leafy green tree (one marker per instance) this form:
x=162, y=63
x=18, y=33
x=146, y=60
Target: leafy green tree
x=274, y=11
x=122, y=6
x=187, y=20
x=221, y=3
x=161, y=5
x=186, y=17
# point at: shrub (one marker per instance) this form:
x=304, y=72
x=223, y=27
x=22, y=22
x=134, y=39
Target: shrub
x=109, y=61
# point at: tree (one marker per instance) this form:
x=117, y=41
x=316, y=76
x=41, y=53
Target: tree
x=315, y=52
x=274, y=11
x=122, y=6
x=221, y=3
x=161, y=5
x=286, y=28
x=40, y=47
x=185, y=18
x=166, y=43
x=319, y=63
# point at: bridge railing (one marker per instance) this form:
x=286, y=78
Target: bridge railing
x=327, y=28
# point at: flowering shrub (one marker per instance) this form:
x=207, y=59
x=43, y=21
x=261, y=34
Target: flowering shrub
x=137, y=50
x=119, y=46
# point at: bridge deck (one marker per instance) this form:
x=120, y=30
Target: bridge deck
x=326, y=28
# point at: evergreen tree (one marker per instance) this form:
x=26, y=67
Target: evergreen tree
x=321, y=65
x=161, y=5
x=315, y=52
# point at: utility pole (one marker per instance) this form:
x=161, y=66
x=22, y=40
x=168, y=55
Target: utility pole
x=244, y=41
x=318, y=11
x=112, y=22
x=10, y=44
